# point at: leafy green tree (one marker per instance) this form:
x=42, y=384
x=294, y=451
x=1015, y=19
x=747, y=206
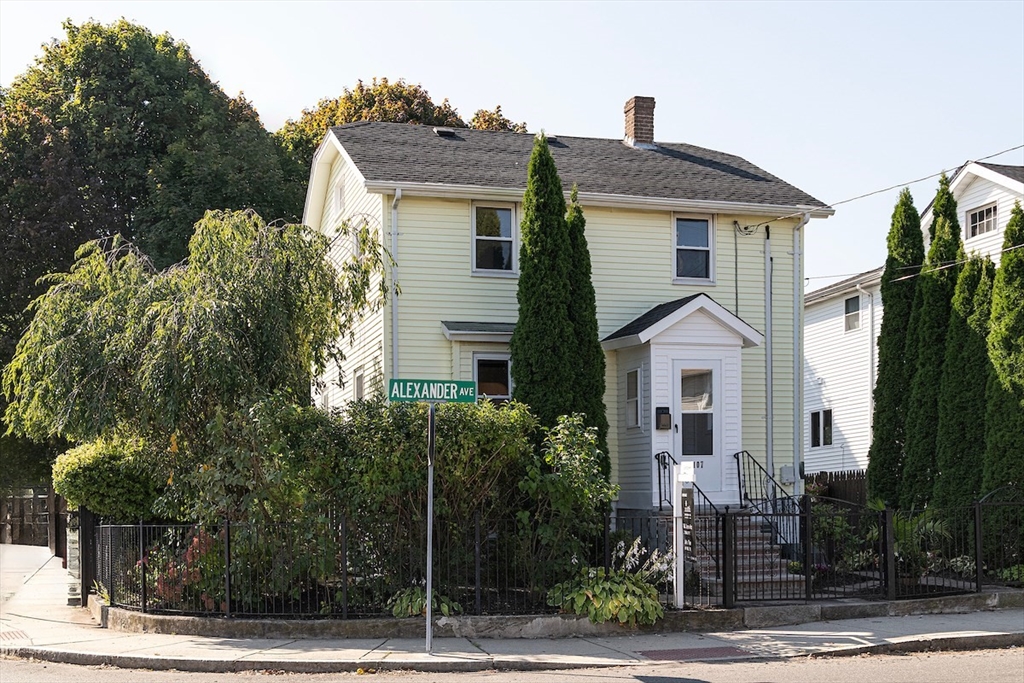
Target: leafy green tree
x=906, y=253
x=124, y=100
x=185, y=357
x=589, y=358
x=1004, y=418
x=965, y=373
x=495, y=120
x=936, y=284
x=542, y=345
x=382, y=100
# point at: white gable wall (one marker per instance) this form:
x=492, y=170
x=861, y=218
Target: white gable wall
x=839, y=371
x=978, y=193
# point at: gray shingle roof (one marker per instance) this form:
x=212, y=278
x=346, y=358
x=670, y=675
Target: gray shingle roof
x=482, y=327
x=1012, y=172
x=659, y=312
x=398, y=152
x=870, y=276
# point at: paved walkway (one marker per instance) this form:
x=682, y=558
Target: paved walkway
x=36, y=622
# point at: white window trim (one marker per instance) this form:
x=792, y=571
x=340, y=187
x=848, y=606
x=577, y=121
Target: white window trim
x=821, y=428
x=710, y=279
x=483, y=272
x=638, y=409
x=995, y=220
x=338, y=201
x=846, y=316
x=358, y=383
x=477, y=356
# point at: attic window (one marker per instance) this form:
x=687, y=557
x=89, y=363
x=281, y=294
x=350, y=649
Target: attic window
x=442, y=132
x=981, y=221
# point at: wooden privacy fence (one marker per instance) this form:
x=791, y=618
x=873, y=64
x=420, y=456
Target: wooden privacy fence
x=850, y=486
x=24, y=518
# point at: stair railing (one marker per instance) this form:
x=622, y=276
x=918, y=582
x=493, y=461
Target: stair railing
x=760, y=490
x=664, y=478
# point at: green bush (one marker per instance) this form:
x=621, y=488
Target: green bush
x=106, y=477
x=627, y=593
x=412, y=602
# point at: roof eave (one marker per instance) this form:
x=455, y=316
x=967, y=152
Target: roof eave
x=450, y=191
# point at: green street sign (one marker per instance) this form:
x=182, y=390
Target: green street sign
x=431, y=390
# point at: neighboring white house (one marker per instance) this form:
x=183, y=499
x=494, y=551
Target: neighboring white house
x=697, y=262
x=842, y=322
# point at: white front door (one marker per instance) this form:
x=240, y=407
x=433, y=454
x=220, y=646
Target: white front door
x=697, y=419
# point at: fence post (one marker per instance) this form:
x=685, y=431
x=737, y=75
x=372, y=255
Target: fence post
x=978, y=549
x=476, y=557
x=344, y=566
x=227, y=567
x=86, y=552
x=142, y=563
x=607, y=543
x=808, y=544
x=728, y=558
x=890, y=555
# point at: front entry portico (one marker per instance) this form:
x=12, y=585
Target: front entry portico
x=684, y=360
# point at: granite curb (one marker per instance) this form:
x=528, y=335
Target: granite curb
x=546, y=626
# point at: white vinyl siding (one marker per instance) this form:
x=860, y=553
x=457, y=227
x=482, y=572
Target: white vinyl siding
x=634, y=455
x=838, y=376
x=975, y=194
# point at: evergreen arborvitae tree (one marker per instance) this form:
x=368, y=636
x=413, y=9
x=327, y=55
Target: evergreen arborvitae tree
x=543, y=344
x=937, y=282
x=590, y=363
x=944, y=205
x=906, y=253
x=1004, y=416
x=965, y=372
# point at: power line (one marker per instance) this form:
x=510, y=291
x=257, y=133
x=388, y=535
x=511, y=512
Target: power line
x=942, y=266
x=888, y=189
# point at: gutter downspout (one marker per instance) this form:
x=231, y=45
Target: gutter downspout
x=394, y=282
x=871, y=360
x=798, y=352
x=769, y=378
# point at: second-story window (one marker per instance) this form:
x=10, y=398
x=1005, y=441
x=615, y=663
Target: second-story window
x=981, y=221
x=693, y=247
x=852, y=306
x=494, y=238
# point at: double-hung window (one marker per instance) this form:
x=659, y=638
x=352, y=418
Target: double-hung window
x=494, y=239
x=981, y=221
x=821, y=428
x=693, y=246
x=852, y=313
x=492, y=373
x=633, y=398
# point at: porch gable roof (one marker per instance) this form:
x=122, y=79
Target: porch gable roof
x=663, y=316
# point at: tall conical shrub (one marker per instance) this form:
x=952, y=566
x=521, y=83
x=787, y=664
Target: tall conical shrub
x=1004, y=417
x=944, y=206
x=543, y=343
x=936, y=285
x=589, y=366
x=959, y=445
x=906, y=253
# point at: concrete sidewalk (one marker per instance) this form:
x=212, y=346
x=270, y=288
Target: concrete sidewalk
x=36, y=622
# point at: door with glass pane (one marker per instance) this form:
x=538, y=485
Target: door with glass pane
x=698, y=420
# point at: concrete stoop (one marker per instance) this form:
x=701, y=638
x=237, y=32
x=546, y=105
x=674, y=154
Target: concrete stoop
x=548, y=626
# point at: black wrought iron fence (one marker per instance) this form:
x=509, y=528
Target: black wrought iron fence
x=338, y=567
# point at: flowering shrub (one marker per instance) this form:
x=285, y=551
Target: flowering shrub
x=189, y=578
x=627, y=593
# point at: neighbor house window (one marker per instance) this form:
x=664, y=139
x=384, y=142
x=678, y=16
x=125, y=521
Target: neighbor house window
x=821, y=428
x=357, y=389
x=981, y=221
x=493, y=376
x=633, y=398
x=693, y=247
x=494, y=238
x=852, y=313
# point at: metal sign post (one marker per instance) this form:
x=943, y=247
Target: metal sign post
x=682, y=524
x=431, y=433
x=432, y=392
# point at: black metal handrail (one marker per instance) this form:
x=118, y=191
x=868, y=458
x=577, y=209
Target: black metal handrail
x=662, y=457
x=769, y=499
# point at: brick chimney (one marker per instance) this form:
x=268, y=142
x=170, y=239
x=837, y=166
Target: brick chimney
x=640, y=122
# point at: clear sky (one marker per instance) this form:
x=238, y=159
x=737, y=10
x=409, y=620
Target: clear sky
x=838, y=99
